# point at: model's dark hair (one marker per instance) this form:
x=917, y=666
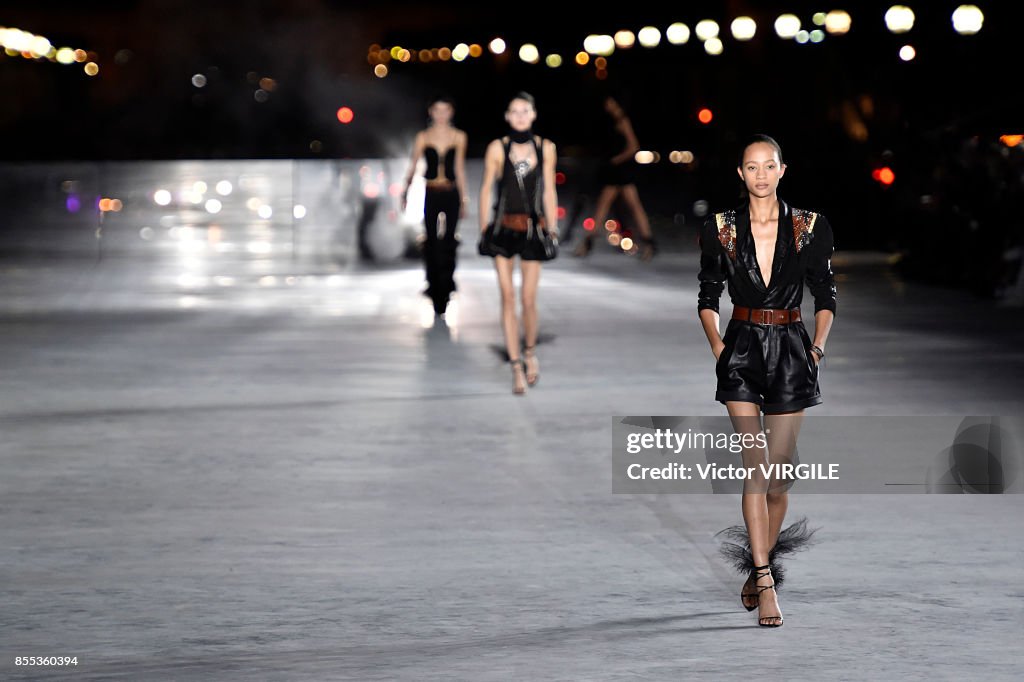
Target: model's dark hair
x=441, y=99
x=754, y=139
x=526, y=97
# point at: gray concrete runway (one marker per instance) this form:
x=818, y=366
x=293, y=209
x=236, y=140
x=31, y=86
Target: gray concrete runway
x=301, y=475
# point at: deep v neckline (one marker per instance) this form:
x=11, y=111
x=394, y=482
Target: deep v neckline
x=774, y=250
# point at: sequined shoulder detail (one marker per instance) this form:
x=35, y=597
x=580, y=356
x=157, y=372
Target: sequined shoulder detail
x=727, y=232
x=803, y=227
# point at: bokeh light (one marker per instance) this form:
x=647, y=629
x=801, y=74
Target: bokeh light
x=967, y=19
x=907, y=53
x=899, y=19
x=497, y=46
x=706, y=29
x=743, y=28
x=529, y=53
x=345, y=114
x=713, y=46
x=884, y=175
x=649, y=36
x=837, y=22
x=625, y=39
x=678, y=33
x=603, y=45
x=787, y=26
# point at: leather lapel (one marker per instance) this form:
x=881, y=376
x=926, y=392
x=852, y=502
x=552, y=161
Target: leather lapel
x=783, y=240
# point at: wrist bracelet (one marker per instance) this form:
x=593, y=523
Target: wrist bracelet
x=818, y=351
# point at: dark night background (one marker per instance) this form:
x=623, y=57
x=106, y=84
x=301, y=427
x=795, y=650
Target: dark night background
x=841, y=108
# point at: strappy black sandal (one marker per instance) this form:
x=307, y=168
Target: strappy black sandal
x=518, y=364
x=766, y=572
x=531, y=379
x=585, y=247
x=750, y=600
x=648, y=249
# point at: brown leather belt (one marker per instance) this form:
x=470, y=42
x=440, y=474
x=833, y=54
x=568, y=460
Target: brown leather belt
x=519, y=222
x=765, y=315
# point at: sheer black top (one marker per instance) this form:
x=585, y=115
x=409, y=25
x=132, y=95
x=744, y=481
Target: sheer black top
x=520, y=187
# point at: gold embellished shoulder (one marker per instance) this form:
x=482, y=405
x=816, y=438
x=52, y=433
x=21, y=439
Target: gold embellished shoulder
x=803, y=227
x=726, y=223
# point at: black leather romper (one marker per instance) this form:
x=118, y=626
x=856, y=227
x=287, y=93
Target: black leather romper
x=767, y=364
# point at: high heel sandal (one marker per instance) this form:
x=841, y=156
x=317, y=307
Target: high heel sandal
x=749, y=600
x=766, y=572
x=649, y=248
x=531, y=377
x=518, y=364
x=736, y=550
x=584, y=248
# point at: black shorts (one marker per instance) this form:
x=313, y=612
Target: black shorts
x=768, y=364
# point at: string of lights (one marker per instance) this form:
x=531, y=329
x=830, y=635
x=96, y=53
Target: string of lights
x=18, y=43
x=597, y=48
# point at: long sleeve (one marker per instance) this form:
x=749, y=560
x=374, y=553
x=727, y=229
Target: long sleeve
x=818, y=267
x=712, y=273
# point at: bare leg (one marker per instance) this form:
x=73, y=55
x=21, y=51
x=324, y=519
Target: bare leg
x=503, y=266
x=531, y=278
x=746, y=419
x=632, y=199
x=782, y=431
x=604, y=207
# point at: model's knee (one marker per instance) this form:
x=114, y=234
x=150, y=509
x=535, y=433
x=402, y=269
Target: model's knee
x=776, y=497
